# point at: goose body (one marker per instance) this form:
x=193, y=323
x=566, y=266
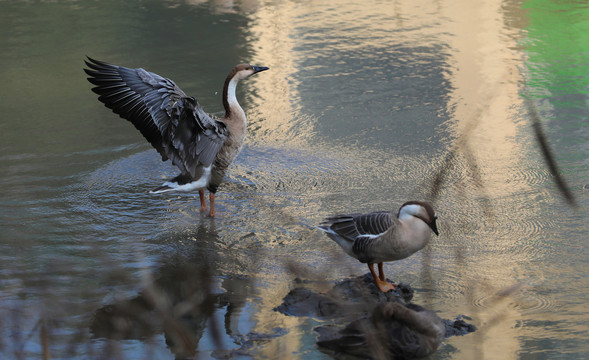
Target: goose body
x=381, y=236
x=201, y=145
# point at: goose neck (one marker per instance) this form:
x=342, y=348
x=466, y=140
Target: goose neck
x=232, y=107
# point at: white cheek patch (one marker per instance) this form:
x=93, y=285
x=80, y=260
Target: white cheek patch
x=409, y=210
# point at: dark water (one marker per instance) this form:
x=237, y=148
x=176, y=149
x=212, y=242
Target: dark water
x=364, y=104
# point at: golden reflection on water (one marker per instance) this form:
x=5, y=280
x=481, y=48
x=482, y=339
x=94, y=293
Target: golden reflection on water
x=483, y=69
x=485, y=102
x=280, y=36
x=270, y=37
x=485, y=97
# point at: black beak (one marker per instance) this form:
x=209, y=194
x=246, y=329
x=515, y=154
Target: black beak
x=257, y=69
x=434, y=227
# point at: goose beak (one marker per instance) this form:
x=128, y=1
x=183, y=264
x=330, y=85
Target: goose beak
x=257, y=69
x=434, y=227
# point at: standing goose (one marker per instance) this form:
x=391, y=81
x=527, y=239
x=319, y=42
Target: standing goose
x=383, y=236
x=199, y=144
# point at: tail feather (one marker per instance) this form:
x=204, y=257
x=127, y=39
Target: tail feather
x=345, y=243
x=161, y=189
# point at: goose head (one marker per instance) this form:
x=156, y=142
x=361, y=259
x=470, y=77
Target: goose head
x=239, y=72
x=243, y=71
x=421, y=210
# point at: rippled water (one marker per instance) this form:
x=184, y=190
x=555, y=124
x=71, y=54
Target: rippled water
x=364, y=105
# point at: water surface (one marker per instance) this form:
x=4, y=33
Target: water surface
x=364, y=105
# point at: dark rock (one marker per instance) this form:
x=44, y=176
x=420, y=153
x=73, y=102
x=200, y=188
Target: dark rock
x=247, y=342
x=363, y=288
x=458, y=327
x=367, y=323
x=304, y=302
x=348, y=298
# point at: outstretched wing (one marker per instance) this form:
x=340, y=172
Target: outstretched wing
x=174, y=124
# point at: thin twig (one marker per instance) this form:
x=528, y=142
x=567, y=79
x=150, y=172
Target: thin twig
x=547, y=153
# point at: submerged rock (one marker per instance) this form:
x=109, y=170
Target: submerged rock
x=458, y=327
x=367, y=323
x=246, y=343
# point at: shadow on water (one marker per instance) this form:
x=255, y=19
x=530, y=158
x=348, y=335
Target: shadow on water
x=177, y=299
x=182, y=298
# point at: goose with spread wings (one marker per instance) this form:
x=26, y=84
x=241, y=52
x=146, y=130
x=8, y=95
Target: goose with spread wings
x=200, y=145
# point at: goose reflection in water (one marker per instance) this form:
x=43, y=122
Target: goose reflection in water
x=179, y=302
x=395, y=331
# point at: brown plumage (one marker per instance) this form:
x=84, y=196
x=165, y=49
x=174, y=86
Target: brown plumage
x=383, y=236
x=201, y=145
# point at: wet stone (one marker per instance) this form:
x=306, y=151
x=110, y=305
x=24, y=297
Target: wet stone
x=350, y=297
x=247, y=342
x=458, y=327
x=367, y=323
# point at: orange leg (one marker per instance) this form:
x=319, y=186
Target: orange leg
x=381, y=272
x=383, y=285
x=212, y=201
x=203, y=204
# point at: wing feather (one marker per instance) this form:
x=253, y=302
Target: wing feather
x=173, y=123
x=361, y=230
x=354, y=225
x=374, y=223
